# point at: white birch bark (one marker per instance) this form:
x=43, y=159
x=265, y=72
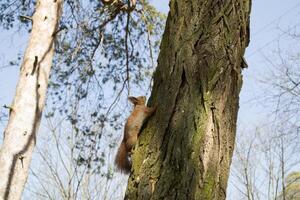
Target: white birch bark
x=26, y=110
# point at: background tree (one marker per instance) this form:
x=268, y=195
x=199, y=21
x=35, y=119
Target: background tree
x=56, y=175
x=26, y=110
x=292, y=186
x=102, y=50
x=186, y=148
x=261, y=166
x=268, y=165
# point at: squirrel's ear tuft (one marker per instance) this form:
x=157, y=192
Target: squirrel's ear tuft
x=133, y=100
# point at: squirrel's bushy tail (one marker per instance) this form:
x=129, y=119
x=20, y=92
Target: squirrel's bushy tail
x=122, y=161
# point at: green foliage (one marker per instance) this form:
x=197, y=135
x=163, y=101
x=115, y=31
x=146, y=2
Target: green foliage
x=102, y=55
x=11, y=10
x=292, y=187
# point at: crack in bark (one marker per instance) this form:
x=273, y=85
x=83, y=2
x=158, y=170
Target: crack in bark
x=35, y=63
x=167, y=131
x=200, y=74
x=217, y=131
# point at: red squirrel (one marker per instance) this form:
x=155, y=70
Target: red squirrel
x=132, y=129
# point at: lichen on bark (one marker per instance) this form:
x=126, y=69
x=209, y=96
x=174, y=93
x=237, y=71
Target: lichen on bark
x=185, y=150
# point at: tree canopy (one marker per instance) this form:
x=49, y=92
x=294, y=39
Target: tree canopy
x=104, y=50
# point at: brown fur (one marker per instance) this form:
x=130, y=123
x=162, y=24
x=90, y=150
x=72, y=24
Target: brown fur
x=132, y=129
x=122, y=159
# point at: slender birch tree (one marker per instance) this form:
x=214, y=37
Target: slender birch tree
x=185, y=150
x=26, y=109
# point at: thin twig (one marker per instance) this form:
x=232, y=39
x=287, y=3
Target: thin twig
x=24, y=17
x=127, y=52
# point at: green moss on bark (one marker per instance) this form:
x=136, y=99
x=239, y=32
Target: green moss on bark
x=185, y=150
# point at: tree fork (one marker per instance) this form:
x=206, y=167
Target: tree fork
x=20, y=133
x=185, y=150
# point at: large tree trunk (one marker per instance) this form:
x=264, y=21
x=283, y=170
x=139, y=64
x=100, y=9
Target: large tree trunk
x=26, y=110
x=185, y=150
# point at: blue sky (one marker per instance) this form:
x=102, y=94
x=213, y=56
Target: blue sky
x=267, y=18
x=11, y=43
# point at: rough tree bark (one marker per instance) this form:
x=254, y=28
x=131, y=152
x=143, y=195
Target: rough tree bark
x=26, y=110
x=185, y=150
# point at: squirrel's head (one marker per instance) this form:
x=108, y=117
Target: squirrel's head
x=141, y=100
